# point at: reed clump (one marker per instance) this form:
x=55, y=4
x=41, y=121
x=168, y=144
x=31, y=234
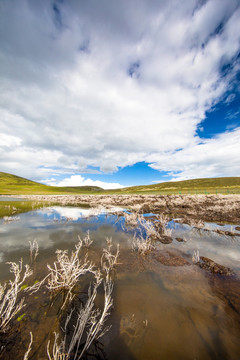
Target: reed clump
x=143, y=241
x=82, y=326
x=88, y=327
x=66, y=271
x=131, y=219
x=149, y=232
x=89, y=324
x=85, y=325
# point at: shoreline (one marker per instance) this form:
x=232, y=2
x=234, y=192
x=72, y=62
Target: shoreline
x=213, y=208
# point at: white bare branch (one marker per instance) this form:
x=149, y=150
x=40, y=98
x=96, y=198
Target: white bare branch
x=9, y=305
x=29, y=347
x=90, y=324
x=34, y=250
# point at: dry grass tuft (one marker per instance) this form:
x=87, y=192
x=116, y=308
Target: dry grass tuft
x=90, y=323
x=34, y=250
x=108, y=259
x=144, y=244
x=9, y=292
x=67, y=270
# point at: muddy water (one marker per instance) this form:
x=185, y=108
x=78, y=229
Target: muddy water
x=165, y=307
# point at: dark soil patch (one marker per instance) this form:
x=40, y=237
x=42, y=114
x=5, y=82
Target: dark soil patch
x=165, y=239
x=213, y=267
x=7, y=342
x=226, y=233
x=179, y=239
x=169, y=258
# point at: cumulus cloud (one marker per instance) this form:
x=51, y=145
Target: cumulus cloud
x=9, y=141
x=108, y=84
x=210, y=158
x=78, y=180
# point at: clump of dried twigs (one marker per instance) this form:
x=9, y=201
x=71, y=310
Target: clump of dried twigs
x=90, y=323
x=58, y=349
x=144, y=243
x=161, y=226
x=148, y=227
x=148, y=231
x=9, y=304
x=141, y=244
x=108, y=259
x=66, y=270
x=87, y=241
x=64, y=274
x=131, y=219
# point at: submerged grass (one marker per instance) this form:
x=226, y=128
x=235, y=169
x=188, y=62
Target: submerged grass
x=11, y=208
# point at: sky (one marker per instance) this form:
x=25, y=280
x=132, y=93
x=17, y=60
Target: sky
x=119, y=93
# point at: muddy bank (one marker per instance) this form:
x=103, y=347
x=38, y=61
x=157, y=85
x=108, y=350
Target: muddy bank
x=216, y=208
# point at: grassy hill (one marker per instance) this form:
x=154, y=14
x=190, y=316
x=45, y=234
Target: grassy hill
x=206, y=185
x=12, y=185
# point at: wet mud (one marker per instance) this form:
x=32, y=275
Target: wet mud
x=213, y=267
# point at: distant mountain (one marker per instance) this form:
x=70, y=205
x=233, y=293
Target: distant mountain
x=12, y=184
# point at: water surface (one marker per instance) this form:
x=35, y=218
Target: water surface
x=160, y=311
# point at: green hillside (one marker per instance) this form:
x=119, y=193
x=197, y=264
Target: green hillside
x=205, y=185
x=12, y=185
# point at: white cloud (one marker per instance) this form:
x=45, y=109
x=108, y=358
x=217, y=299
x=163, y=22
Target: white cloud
x=210, y=158
x=9, y=140
x=76, y=213
x=66, y=90
x=78, y=180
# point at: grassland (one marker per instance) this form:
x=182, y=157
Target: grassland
x=15, y=185
x=223, y=185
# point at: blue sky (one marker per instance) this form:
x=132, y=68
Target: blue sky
x=138, y=174
x=119, y=93
x=224, y=115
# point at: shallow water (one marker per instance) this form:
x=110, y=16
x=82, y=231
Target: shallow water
x=10, y=198
x=160, y=311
